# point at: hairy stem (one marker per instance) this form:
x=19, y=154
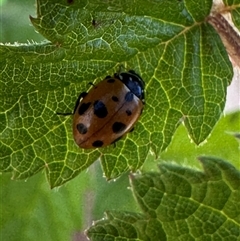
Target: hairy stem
x=229, y=36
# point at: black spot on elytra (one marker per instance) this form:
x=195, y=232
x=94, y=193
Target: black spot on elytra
x=128, y=112
x=115, y=98
x=97, y=143
x=100, y=109
x=118, y=127
x=112, y=80
x=83, y=108
x=82, y=129
x=129, y=96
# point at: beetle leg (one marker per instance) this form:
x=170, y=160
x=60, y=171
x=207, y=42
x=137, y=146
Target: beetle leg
x=82, y=95
x=91, y=83
x=132, y=130
x=114, y=142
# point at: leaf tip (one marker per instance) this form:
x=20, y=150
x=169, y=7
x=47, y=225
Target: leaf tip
x=34, y=21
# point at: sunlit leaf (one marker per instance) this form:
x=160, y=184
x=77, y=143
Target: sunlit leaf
x=179, y=55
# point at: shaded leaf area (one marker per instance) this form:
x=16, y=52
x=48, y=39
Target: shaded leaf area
x=180, y=57
x=235, y=11
x=179, y=203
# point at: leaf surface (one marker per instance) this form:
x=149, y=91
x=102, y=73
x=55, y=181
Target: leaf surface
x=179, y=203
x=180, y=57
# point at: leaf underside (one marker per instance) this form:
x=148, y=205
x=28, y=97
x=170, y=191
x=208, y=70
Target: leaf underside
x=179, y=204
x=180, y=57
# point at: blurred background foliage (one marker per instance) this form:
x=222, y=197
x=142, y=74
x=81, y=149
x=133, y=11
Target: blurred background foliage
x=15, y=25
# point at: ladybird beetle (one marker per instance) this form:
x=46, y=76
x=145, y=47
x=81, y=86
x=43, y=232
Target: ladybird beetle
x=109, y=110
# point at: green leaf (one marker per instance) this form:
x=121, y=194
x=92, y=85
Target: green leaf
x=220, y=143
x=76, y=204
x=235, y=11
x=179, y=203
x=180, y=57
